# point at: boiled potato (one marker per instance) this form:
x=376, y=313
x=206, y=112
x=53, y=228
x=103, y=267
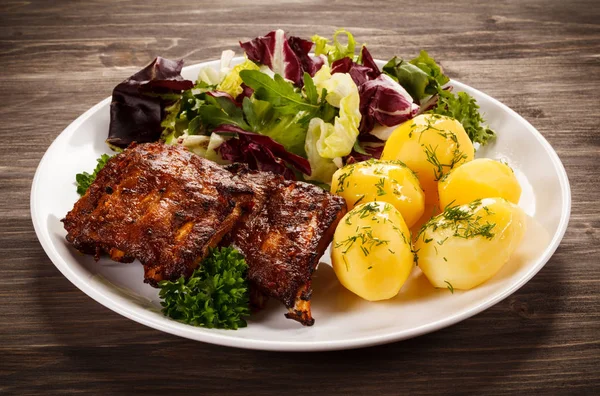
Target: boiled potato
x=386, y=181
x=466, y=245
x=371, y=251
x=431, y=145
x=480, y=178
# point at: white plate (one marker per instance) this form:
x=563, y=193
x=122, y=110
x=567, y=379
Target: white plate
x=342, y=319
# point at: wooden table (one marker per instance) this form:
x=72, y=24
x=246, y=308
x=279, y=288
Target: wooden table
x=541, y=58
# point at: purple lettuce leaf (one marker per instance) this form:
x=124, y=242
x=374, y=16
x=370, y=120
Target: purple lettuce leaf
x=246, y=93
x=367, y=61
x=384, y=101
x=360, y=73
x=301, y=48
x=367, y=146
x=138, y=103
x=369, y=153
x=260, y=152
x=221, y=94
x=286, y=56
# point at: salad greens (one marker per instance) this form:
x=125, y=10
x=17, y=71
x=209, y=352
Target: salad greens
x=465, y=109
x=337, y=139
x=232, y=83
x=279, y=92
x=284, y=110
x=421, y=76
x=337, y=50
x=84, y=179
x=286, y=56
x=264, y=119
x=138, y=103
x=214, y=296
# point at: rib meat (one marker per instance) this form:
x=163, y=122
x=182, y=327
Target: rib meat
x=159, y=204
x=283, y=236
x=165, y=206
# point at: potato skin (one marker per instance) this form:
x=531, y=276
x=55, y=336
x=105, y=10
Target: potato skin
x=431, y=145
x=478, y=179
x=466, y=245
x=385, y=181
x=371, y=251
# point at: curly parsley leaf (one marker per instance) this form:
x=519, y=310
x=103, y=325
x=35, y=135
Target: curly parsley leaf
x=465, y=109
x=84, y=179
x=215, y=296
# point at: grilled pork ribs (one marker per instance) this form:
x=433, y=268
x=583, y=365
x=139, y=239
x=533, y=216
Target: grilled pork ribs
x=284, y=235
x=165, y=206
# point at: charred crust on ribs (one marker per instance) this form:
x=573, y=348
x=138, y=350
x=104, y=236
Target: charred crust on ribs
x=165, y=206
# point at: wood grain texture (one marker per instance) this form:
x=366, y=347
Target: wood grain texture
x=541, y=58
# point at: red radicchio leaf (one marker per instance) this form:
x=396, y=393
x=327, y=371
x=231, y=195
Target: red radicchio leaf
x=301, y=48
x=342, y=65
x=368, y=138
x=367, y=61
x=246, y=93
x=259, y=152
x=136, y=109
x=384, y=101
x=371, y=152
x=381, y=99
x=221, y=94
x=359, y=73
x=287, y=57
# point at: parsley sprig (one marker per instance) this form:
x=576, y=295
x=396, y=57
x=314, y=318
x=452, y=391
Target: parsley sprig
x=84, y=180
x=215, y=296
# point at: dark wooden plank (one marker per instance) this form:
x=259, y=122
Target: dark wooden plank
x=541, y=58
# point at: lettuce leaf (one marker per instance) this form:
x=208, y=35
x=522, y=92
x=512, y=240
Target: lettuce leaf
x=433, y=71
x=322, y=169
x=337, y=139
x=337, y=50
x=181, y=118
x=413, y=79
x=232, y=83
x=325, y=142
x=205, y=146
x=421, y=76
x=209, y=77
x=171, y=121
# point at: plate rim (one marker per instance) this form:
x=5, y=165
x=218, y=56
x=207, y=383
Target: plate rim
x=205, y=335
